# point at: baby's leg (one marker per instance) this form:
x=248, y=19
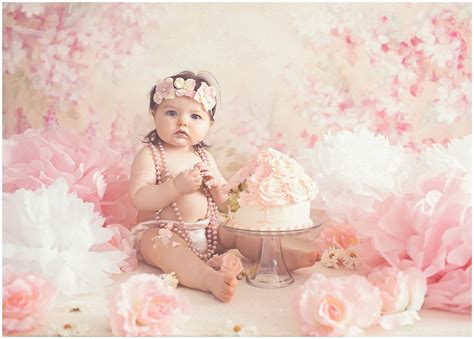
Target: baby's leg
x=297, y=252
x=191, y=271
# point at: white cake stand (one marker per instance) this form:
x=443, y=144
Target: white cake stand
x=269, y=270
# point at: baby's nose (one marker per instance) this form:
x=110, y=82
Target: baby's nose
x=182, y=121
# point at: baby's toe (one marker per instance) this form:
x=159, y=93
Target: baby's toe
x=230, y=280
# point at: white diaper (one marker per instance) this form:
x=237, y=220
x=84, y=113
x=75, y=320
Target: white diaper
x=196, y=231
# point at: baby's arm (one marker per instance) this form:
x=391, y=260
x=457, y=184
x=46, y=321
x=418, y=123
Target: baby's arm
x=214, y=179
x=146, y=195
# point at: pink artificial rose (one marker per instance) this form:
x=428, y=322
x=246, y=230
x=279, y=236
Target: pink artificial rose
x=231, y=264
x=402, y=292
x=146, y=305
x=337, y=306
x=122, y=240
x=227, y=262
x=26, y=298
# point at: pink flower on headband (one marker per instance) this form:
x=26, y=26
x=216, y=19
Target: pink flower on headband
x=164, y=90
x=185, y=87
x=206, y=95
x=169, y=89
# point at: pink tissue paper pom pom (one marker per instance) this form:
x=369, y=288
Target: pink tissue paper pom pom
x=26, y=299
x=452, y=292
x=146, y=305
x=337, y=306
x=403, y=294
x=429, y=229
x=37, y=157
x=121, y=240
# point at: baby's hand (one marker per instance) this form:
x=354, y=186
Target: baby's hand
x=208, y=177
x=188, y=181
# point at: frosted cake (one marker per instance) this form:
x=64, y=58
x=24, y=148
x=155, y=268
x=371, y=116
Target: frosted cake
x=271, y=193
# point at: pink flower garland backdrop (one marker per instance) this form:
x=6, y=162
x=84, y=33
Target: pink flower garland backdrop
x=373, y=99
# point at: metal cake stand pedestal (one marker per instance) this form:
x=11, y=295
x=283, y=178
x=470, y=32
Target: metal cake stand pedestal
x=269, y=270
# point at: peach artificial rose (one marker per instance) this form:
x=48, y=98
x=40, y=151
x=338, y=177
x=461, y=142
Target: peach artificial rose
x=146, y=305
x=26, y=298
x=337, y=235
x=403, y=294
x=231, y=264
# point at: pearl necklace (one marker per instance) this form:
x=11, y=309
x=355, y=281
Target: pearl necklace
x=211, y=231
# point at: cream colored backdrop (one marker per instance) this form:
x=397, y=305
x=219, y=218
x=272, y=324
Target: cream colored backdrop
x=288, y=73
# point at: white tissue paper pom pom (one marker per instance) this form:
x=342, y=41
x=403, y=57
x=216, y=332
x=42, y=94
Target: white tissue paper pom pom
x=51, y=231
x=437, y=159
x=355, y=169
x=453, y=160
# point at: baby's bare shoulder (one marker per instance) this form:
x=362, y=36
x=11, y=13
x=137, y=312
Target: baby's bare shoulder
x=144, y=158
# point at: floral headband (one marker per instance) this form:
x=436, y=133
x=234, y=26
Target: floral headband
x=169, y=89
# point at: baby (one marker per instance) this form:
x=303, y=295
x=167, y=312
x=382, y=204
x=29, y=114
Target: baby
x=176, y=186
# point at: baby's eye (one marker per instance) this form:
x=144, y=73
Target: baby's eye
x=196, y=116
x=171, y=113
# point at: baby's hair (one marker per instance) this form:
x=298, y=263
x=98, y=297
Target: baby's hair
x=201, y=77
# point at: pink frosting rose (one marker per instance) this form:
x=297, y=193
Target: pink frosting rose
x=288, y=173
x=273, y=179
x=272, y=193
x=146, y=305
x=26, y=298
x=337, y=306
x=403, y=294
x=281, y=165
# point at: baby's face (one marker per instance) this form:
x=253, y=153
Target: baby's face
x=182, y=121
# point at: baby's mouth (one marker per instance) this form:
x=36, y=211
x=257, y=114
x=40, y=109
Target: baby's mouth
x=181, y=134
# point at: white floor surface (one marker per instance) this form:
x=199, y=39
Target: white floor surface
x=258, y=312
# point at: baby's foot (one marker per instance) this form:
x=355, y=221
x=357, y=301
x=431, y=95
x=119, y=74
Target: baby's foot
x=221, y=285
x=296, y=258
